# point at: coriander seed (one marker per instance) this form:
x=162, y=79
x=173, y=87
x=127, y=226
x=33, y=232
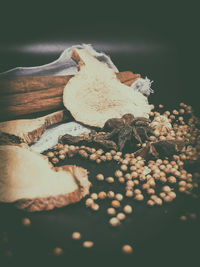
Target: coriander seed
x=128, y=209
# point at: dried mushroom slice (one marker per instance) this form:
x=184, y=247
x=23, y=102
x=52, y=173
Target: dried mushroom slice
x=95, y=95
x=30, y=181
x=29, y=130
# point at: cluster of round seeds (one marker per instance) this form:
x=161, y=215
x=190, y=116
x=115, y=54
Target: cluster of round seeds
x=155, y=181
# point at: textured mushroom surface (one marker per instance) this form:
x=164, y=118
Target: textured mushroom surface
x=95, y=95
x=30, y=180
x=29, y=130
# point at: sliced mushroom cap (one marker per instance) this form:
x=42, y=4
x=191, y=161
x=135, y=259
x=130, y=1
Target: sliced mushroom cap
x=28, y=177
x=95, y=95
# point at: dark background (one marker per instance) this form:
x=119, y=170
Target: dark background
x=158, y=39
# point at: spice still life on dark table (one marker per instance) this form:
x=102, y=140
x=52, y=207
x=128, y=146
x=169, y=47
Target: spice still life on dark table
x=94, y=165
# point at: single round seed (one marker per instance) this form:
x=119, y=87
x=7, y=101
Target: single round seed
x=58, y=251
x=183, y=218
x=150, y=202
x=172, y=194
x=139, y=197
x=50, y=154
x=95, y=206
x=100, y=177
x=93, y=157
x=110, y=194
x=62, y=156
x=94, y=196
x=110, y=180
x=114, y=221
x=158, y=201
x=171, y=179
x=102, y=195
x=182, y=183
x=137, y=191
x=163, y=194
x=89, y=202
x=124, y=167
x=150, y=191
x=115, y=203
x=167, y=199
x=127, y=249
x=103, y=158
x=130, y=183
x=88, y=244
x=26, y=222
x=119, y=197
x=111, y=211
x=121, y=216
x=129, y=193
x=166, y=188
x=118, y=173
x=76, y=235
x=128, y=209
x=182, y=189
x=55, y=160
x=121, y=180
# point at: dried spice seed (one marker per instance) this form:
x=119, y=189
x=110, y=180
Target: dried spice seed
x=100, y=177
x=58, y=251
x=76, y=235
x=26, y=222
x=88, y=244
x=128, y=209
x=121, y=216
x=127, y=249
x=111, y=211
x=115, y=203
x=114, y=221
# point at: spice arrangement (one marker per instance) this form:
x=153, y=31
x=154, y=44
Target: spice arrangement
x=155, y=152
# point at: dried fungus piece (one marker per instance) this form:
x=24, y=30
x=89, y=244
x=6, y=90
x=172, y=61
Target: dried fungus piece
x=33, y=184
x=160, y=149
x=92, y=139
x=95, y=95
x=29, y=130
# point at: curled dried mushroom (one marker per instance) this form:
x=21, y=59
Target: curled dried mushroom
x=34, y=184
x=95, y=95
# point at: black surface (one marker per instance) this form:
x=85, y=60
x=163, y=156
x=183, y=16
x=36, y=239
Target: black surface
x=158, y=40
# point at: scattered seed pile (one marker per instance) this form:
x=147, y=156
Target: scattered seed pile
x=154, y=181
